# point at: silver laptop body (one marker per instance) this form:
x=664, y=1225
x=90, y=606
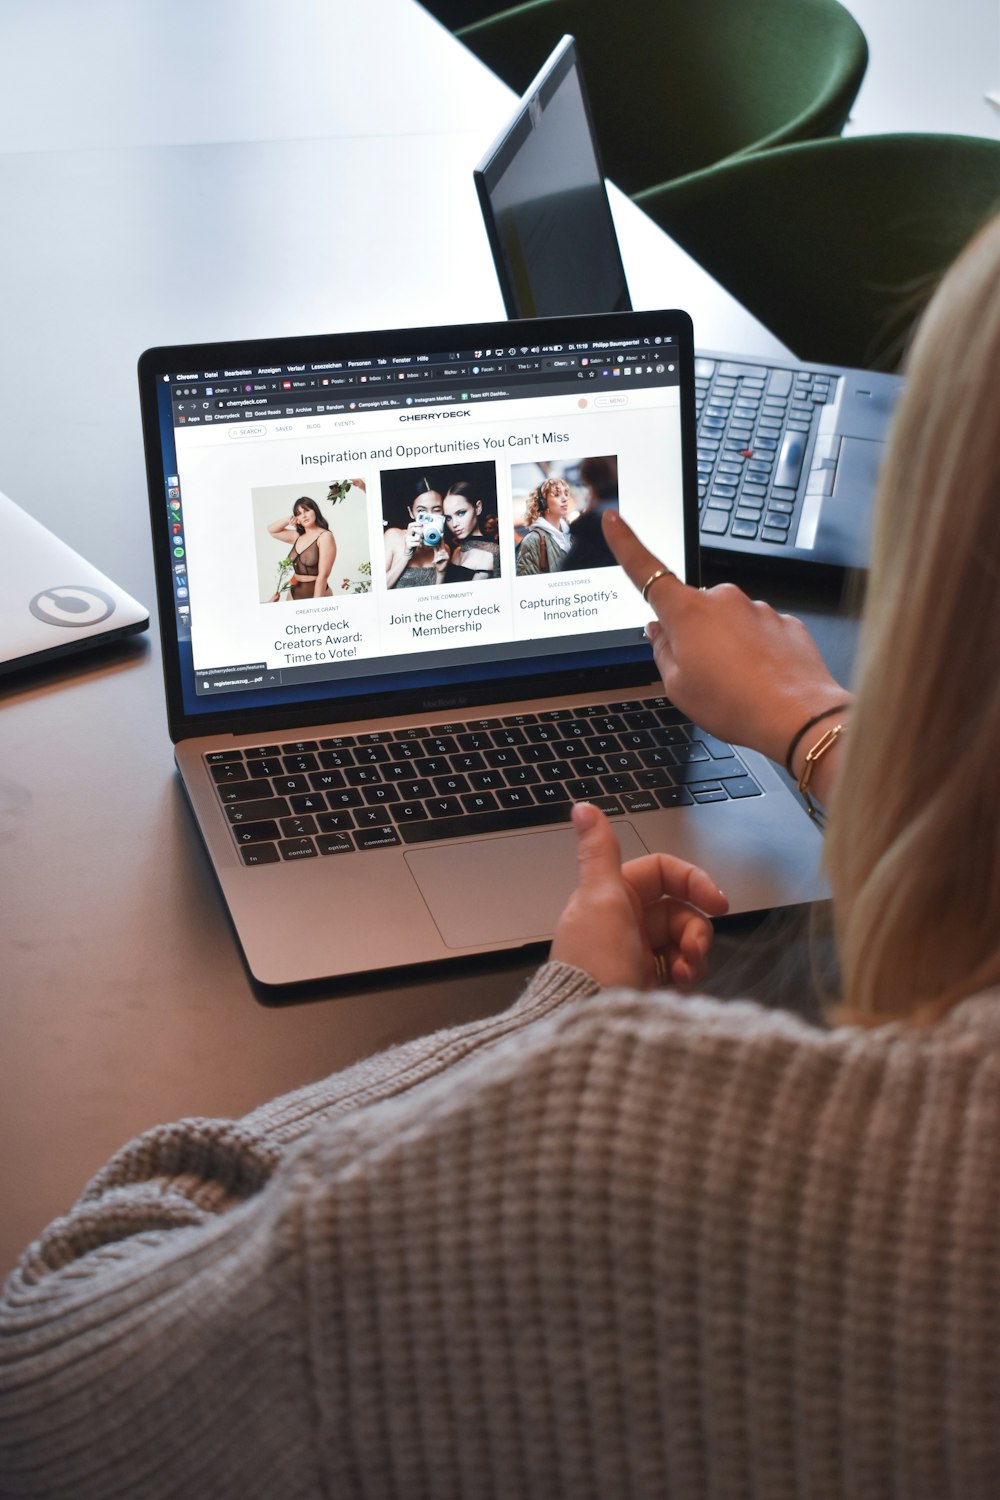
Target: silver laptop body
x=349, y=749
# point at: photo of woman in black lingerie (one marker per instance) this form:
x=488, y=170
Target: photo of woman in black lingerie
x=304, y=573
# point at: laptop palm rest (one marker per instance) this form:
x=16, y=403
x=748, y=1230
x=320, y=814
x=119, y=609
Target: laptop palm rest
x=477, y=892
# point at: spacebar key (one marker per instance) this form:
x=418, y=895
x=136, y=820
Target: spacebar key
x=793, y=451
x=471, y=824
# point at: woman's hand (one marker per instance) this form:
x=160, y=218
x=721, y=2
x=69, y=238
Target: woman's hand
x=732, y=664
x=414, y=537
x=442, y=557
x=637, y=924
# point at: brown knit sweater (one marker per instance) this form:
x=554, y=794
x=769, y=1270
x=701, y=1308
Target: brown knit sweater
x=603, y=1245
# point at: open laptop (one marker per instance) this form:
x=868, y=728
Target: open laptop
x=383, y=775
x=52, y=601
x=788, y=454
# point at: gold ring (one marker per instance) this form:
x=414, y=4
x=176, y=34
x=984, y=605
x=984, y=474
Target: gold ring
x=662, y=968
x=660, y=573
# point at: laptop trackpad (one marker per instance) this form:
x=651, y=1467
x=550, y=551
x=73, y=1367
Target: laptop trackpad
x=503, y=889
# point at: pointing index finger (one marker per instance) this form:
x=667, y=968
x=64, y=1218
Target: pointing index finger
x=639, y=563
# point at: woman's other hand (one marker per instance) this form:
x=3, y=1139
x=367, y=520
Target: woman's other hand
x=639, y=924
x=732, y=664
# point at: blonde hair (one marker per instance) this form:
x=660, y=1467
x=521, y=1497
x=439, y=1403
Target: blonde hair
x=913, y=850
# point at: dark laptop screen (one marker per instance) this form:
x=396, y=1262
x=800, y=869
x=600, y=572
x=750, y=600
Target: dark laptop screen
x=541, y=189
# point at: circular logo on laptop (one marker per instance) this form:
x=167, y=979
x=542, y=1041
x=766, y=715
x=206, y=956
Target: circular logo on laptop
x=73, y=607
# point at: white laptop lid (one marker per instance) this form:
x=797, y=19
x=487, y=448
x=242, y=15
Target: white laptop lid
x=52, y=601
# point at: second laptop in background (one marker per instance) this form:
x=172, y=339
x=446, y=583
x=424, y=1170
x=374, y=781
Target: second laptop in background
x=789, y=453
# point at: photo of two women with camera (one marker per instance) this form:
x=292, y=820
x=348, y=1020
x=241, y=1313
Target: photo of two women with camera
x=440, y=525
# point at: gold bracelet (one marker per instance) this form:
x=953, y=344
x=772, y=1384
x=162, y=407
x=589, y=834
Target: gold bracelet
x=823, y=744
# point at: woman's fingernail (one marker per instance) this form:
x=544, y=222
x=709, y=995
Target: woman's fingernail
x=654, y=630
x=584, y=816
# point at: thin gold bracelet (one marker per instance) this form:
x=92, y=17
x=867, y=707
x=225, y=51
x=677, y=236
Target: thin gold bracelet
x=823, y=744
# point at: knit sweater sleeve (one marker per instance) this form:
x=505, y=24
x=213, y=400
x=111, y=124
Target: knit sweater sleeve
x=645, y=1246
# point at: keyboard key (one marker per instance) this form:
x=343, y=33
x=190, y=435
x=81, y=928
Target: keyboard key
x=308, y=802
x=336, y=759
x=261, y=752
x=334, y=843
x=373, y=817
x=555, y=792
x=447, y=786
x=415, y=791
x=297, y=848
x=260, y=854
x=674, y=796
x=522, y=775
x=224, y=757
x=254, y=812
x=371, y=755
x=298, y=747
x=584, y=788
x=639, y=802
x=691, y=751
x=482, y=781
x=745, y=529
x=515, y=796
x=407, y=750
x=364, y=776
x=772, y=534
x=327, y=781
x=652, y=779
x=244, y=791
x=295, y=828
x=715, y=522
x=349, y=797
x=335, y=822
x=256, y=833
x=473, y=761
x=443, y=807
x=408, y=812
x=376, y=838
x=480, y=802
x=293, y=763
x=230, y=771
x=373, y=795
x=742, y=786
x=286, y=785
x=707, y=770
x=472, y=824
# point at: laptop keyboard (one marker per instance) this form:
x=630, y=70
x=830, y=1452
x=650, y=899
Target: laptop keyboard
x=303, y=799
x=755, y=424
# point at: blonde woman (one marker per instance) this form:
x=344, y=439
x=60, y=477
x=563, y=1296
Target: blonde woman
x=620, y=1241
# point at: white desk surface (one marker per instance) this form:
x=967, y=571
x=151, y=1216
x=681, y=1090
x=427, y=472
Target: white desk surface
x=171, y=173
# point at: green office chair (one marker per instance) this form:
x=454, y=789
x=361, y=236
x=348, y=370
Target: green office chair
x=836, y=245
x=677, y=85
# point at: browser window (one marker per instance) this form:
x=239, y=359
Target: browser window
x=339, y=520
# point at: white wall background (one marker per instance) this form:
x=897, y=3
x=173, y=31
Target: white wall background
x=932, y=64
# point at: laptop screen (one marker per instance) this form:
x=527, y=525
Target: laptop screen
x=545, y=204
x=373, y=514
